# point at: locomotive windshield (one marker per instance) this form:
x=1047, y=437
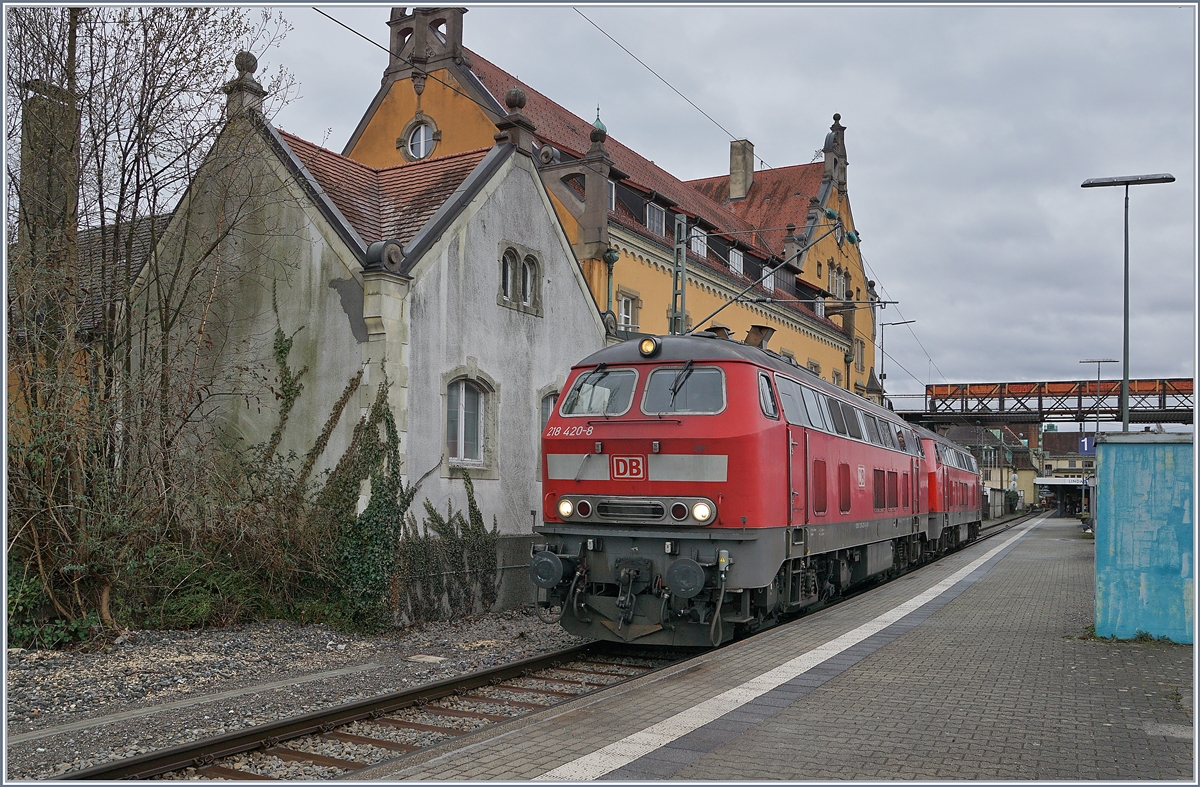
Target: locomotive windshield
x=699, y=391
x=601, y=391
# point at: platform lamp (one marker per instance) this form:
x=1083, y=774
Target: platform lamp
x=1098, y=362
x=883, y=376
x=1126, y=181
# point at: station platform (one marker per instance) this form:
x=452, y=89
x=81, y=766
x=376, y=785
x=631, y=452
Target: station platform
x=979, y=666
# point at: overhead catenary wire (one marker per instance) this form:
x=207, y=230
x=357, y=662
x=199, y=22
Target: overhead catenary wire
x=883, y=289
x=664, y=81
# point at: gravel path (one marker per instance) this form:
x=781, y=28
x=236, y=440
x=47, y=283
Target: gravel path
x=145, y=669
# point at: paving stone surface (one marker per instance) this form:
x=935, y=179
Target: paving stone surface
x=998, y=679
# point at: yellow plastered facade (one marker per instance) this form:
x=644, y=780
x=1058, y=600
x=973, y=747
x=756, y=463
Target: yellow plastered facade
x=643, y=269
x=462, y=123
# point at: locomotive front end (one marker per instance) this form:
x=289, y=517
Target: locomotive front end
x=648, y=519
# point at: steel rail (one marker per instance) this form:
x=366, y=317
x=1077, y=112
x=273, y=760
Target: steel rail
x=208, y=750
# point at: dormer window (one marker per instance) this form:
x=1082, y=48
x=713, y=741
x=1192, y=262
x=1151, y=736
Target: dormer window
x=735, y=261
x=699, y=242
x=656, y=219
x=612, y=196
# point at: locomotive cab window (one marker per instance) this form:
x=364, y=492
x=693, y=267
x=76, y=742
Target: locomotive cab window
x=766, y=399
x=600, y=391
x=685, y=389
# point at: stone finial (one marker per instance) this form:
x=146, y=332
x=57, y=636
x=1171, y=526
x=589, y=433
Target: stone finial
x=515, y=127
x=244, y=93
x=514, y=99
x=245, y=63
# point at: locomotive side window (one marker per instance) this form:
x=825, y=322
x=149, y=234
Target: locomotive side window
x=900, y=437
x=819, y=497
x=685, y=389
x=835, y=414
x=814, y=409
x=767, y=401
x=792, y=394
x=787, y=398
x=872, y=429
x=852, y=423
x=844, y=487
x=885, y=434
x=601, y=392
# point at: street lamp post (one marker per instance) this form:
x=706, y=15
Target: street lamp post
x=1127, y=181
x=883, y=376
x=1098, y=362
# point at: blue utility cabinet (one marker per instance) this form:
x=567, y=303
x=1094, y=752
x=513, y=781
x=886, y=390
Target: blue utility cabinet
x=1145, y=572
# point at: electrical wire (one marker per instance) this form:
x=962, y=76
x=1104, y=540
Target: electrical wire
x=407, y=62
x=664, y=81
x=883, y=289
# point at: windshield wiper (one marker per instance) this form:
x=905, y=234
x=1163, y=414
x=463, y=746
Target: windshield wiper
x=680, y=379
x=601, y=370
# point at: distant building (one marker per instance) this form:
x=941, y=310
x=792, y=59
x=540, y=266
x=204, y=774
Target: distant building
x=440, y=99
x=1003, y=457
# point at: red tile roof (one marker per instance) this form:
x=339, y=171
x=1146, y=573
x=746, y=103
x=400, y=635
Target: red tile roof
x=777, y=197
x=394, y=202
x=565, y=130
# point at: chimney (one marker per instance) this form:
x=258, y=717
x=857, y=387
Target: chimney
x=759, y=335
x=243, y=94
x=49, y=184
x=741, y=168
x=791, y=246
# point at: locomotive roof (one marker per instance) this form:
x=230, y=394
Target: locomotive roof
x=708, y=347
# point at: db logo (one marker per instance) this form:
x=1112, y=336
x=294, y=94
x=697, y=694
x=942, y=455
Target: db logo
x=862, y=477
x=630, y=468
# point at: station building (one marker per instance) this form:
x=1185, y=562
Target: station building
x=438, y=99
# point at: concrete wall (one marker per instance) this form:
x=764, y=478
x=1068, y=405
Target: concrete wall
x=1145, y=570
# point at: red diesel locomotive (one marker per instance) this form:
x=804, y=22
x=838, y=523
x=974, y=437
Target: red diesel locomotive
x=694, y=486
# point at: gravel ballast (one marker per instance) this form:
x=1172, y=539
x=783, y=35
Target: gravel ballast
x=147, y=669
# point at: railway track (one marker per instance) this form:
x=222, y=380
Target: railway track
x=349, y=737
x=346, y=738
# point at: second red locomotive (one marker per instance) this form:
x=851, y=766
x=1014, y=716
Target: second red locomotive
x=693, y=486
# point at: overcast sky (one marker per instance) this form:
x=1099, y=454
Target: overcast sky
x=969, y=131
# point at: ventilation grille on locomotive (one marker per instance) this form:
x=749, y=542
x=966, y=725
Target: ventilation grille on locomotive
x=641, y=510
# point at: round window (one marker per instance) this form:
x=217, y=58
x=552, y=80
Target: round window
x=420, y=141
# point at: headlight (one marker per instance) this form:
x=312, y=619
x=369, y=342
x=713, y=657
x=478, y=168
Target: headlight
x=701, y=512
x=584, y=508
x=649, y=346
x=565, y=508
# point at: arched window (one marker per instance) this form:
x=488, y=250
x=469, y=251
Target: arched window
x=464, y=422
x=507, y=263
x=528, y=280
x=520, y=279
x=548, y=402
x=420, y=141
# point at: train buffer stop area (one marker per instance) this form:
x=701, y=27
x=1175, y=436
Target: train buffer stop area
x=983, y=665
